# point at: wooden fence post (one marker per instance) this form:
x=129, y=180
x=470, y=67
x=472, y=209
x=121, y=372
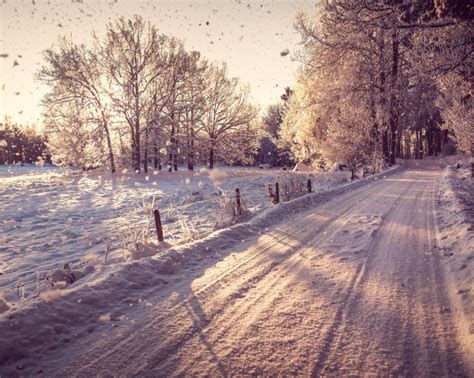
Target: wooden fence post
x=237, y=201
x=310, y=189
x=159, y=228
x=277, y=193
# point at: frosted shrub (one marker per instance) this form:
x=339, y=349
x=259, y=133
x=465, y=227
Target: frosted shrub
x=227, y=212
x=145, y=210
x=171, y=214
x=292, y=186
x=42, y=283
x=136, y=234
x=189, y=231
x=108, y=243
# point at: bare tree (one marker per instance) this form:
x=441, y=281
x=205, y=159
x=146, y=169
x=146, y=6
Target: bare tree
x=160, y=99
x=228, y=108
x=194, y=104
x=74, y=138
x=133, y=55
x=174, y=105
x=77, y=71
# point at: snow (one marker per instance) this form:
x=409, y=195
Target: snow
x=455, y=213
x=50, y=218
x=16, y=170
x=290, y=290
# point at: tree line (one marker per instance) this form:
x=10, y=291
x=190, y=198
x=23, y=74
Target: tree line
x=139, y=97
x=21, y=144
x=381, y=80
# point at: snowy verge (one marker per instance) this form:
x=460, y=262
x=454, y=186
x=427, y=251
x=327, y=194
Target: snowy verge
x=455, y=216
x=59, y=316
x=50, y=220
x=230, y=236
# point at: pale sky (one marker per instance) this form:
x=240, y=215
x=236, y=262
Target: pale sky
x=247, y=34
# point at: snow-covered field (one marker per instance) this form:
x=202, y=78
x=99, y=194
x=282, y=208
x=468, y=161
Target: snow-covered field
x=49, y=218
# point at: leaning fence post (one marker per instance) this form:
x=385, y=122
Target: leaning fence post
x=237, y=201
x=310, y=189
x=159, y=228
x=277, y=193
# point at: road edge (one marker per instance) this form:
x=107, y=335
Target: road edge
x=463, y=321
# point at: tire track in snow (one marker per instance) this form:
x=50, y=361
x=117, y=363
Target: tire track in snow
x=357, y=280
x=416, y=338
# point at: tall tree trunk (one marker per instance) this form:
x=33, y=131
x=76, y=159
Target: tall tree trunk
x=145, y=153
x=133, y=147
x=137, y=149
x=109, y=145
x=393, y=98
x=437, y=141
x=172, y=156
x=122, y=148
x=175, y=151
x=211, y=157
x=409, y=154
x=430, y=141
x=385, y=146
x=383, y=101
x=170, y=162
x=137, y=126
x=191, y=154
x=399, y=150
x=157, y=158
x=421, y=144
x=175, y=161
x=374, y=131
x=445, y=136
x=416, y=144
x=406, y=146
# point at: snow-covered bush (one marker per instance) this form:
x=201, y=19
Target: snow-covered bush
x=292, y=186
x=171, y=214
x=73, y=141
x=189, y=231
x=228, y=211
x=134, y=236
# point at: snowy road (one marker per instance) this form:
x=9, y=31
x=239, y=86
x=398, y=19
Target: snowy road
x=352, y=287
